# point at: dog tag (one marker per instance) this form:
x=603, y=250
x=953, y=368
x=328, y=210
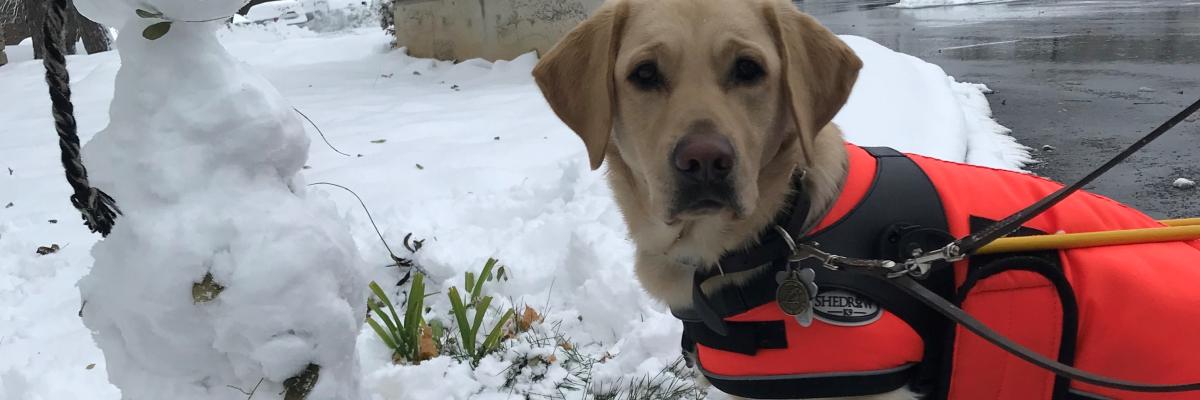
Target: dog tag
x=796, y=292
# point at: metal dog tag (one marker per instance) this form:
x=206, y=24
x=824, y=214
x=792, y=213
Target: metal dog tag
x=796, y=293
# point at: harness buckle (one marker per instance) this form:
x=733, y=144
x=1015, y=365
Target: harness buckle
x=920, y=265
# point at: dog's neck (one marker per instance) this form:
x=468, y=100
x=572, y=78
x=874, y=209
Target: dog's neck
x=667, y=275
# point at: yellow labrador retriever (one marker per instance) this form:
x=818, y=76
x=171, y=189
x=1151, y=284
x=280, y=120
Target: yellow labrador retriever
x=704, y=110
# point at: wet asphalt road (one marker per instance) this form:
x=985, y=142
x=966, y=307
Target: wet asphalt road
x=1084, y=77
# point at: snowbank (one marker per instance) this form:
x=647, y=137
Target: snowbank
x=908, y=104
x=941, y=3
x=473, y=161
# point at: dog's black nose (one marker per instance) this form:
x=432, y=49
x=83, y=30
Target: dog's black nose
x=703, y=157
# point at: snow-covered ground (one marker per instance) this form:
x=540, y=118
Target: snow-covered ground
x=467, y=156
x=940, y=3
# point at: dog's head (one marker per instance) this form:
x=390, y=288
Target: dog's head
x=697, y=99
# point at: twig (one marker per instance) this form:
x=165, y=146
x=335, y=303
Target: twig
x=314, y=125
x=399, y=261
x=251, y=392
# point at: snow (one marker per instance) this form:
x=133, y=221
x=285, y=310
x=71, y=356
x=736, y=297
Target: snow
x=501, y=177
x=1184, y=183
x=942, y=3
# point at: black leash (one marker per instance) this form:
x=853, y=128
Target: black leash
x=98, y=209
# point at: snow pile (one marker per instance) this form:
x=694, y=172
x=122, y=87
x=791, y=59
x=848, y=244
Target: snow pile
x=908, y=104
x=1184, y=183
x=220, y=273
x=941, y=3
x=472, y=160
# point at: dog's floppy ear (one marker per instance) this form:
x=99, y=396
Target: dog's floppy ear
x=819, y=70
x=576, y=77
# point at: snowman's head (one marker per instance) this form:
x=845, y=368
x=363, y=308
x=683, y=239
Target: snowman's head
x=117, y=13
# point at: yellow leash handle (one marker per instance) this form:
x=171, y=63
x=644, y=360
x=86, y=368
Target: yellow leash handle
x=1181, y=222
x=1177, y=230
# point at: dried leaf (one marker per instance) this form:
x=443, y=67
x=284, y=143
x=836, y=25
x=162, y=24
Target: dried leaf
x=156, y=31
x=9, y=205
x=419, y=166
x=566, y=345
x=206, y=290
x=44, y=250
x=528, y=318
x=148, y=14
x=299, y=386
x=54, y=221
x=426, y=348
x=378, y=141
x=90, y=366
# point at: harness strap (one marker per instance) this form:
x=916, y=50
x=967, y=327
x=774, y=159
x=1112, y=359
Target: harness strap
x=743, y=337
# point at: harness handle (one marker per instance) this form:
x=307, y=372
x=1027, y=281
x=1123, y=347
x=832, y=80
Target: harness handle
x=949, y=310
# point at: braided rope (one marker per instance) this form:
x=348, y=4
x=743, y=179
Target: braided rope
x=98, y=209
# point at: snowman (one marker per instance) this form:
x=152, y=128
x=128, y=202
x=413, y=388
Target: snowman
x=222, y=278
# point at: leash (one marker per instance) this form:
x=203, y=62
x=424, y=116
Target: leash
x=98, y=209
x=903, y=275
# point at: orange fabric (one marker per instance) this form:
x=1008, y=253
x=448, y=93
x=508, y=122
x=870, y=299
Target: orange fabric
x=858, y=182
x=1023, y=306
x=1138, y=304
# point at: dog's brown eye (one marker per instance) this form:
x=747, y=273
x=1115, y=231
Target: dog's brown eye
x=747, y=71
x=646, y=76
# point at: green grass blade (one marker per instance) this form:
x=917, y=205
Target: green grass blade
x=469, y=281
x=386, y=320
x=460, y=314
x=483, y=277
x=480, y=310
x=382, y=334
x=412, y=316
x=383, y=297
x=493, y=337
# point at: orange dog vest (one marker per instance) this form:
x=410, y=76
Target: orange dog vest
x=1131, y=312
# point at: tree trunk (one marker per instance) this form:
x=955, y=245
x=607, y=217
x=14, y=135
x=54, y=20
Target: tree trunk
x=95, y=36
x=3, y=57
x=75, y=26
x=35, y=12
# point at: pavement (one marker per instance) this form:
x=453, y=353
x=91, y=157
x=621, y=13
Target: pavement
x=1076, y=80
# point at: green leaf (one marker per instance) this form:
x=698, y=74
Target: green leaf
x=438, y=329
x=470, y=283
x=460, y=315
x=148, y=14
x=383, y=335
x=386, y=321
x=412, y=316
x=384, y=298
x=158, y=30
x=480, y=310
x=484, y=276
x=493, y=338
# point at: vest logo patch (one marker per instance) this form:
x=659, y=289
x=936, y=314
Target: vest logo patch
x=844, y=308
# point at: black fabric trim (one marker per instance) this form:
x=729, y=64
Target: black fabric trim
x=744, y=337
x=814, y=385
